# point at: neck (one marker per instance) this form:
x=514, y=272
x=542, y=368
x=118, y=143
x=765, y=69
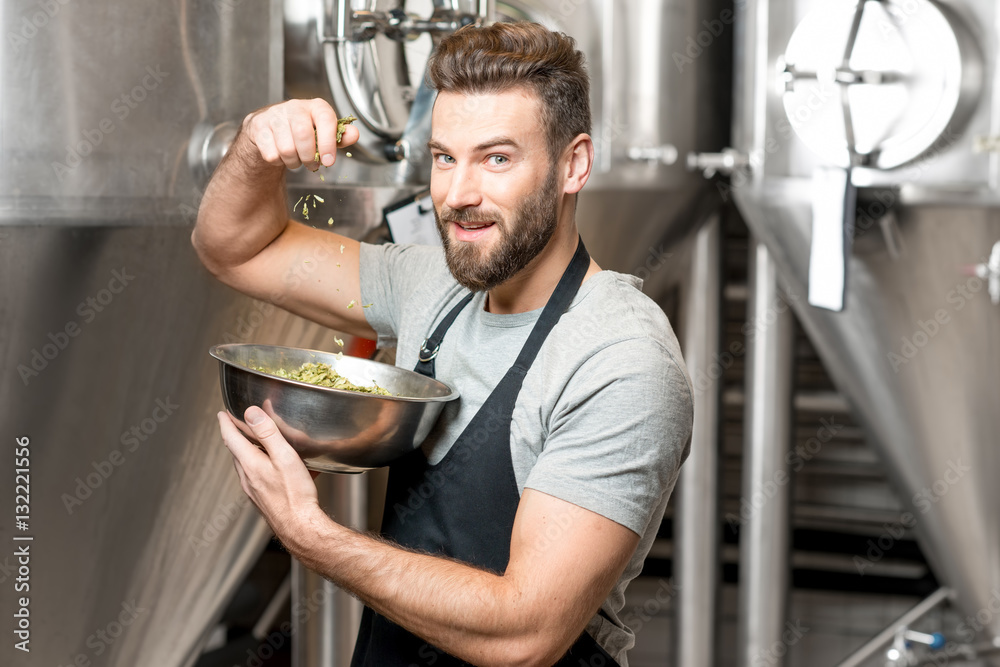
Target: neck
x=531, y=288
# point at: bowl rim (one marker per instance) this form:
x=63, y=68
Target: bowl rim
x=214, y=352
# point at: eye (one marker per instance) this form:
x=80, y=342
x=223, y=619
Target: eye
x=444, y=158
x=498, y=160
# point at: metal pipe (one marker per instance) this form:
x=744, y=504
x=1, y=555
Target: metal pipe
x=764, y=535
x=607, y=90
x=325, y=619
x=886, y=636
x=828, y=402
x=273, y=609
x=487, y=11
x=696, y=539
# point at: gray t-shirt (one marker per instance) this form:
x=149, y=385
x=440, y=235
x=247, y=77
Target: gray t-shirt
x=603, y=419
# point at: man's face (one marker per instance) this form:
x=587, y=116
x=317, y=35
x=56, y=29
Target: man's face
x=495, y=191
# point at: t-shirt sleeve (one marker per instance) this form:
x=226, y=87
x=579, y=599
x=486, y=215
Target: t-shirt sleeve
x=618, y=434
x=390, y=274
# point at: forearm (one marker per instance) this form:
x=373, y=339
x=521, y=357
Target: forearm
x=478, y=616
x=243, y=210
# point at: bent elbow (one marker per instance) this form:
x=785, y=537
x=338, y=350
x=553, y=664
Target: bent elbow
x=205, y=256
x=536, y=651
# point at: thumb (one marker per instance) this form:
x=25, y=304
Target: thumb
x=267, y=434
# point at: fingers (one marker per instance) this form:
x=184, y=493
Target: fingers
x=325, y=121
x=281, y=130
x=266, y=432
x=305, y=140
x=243, y=451
x=242, y=475
x=291, y=133
x=268, y=149
x=351, y=136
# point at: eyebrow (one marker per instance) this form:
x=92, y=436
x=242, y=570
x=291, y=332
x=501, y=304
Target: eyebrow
x=486, y=145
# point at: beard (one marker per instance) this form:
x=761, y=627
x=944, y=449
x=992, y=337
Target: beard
x=522, y=238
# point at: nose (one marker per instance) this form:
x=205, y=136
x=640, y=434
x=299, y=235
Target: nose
x=464, y=188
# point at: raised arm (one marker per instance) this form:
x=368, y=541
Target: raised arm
x=245, y=238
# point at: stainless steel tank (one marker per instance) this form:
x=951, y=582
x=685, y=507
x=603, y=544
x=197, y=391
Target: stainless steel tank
x=656, y=96
x=139, y=529
x=898, y=99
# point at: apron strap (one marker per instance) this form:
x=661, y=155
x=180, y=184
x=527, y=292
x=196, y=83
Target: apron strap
x=561, y=298
x=431, y=346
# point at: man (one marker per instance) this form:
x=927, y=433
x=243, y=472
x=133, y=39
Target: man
x=541, y=489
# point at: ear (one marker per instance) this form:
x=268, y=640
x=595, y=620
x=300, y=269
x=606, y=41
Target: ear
x=578, y=159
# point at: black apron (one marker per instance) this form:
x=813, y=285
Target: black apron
x=463, y=507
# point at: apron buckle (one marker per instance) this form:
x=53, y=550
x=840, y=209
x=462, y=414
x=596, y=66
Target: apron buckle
x=431, y=353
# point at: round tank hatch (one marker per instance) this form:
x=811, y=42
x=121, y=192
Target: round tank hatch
x=368, y=57
x=879, y=83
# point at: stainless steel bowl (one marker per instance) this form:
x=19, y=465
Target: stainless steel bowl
x=333, y=430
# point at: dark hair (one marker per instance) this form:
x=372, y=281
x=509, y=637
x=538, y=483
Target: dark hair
x=502, y=56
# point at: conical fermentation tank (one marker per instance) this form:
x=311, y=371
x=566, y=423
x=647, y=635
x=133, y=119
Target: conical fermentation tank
x=112, y=116
x=658, y=75
x=869, y=131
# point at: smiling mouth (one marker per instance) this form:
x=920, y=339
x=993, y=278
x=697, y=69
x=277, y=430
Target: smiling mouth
x=473, y=226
